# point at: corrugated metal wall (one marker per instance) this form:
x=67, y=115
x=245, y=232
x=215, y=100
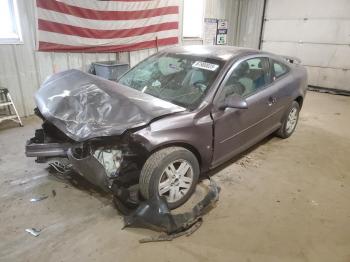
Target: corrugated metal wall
x=249, y=23
x=244, y=18
x=22, y=69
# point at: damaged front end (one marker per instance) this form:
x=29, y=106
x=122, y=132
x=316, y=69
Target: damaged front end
x=87, y=121
x=90, y=128
x=112, y=164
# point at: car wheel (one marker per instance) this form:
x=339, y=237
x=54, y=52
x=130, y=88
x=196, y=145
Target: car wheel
x=290, y=121
x=170, y=172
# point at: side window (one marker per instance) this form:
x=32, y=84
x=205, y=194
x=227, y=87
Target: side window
x=279, y=69
x=248, y=77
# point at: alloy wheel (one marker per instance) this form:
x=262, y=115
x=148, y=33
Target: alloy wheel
x=292, y=120
x=176, y=180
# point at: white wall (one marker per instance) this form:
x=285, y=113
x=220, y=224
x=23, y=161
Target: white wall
x=316, y=31
x=22, y=69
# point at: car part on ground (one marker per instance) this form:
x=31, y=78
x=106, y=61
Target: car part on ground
x=33, y=231
x=39, y=198
x=167, y=237
x=155, y=214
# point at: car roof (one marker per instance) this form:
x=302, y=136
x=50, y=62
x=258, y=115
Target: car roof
x=223, y=53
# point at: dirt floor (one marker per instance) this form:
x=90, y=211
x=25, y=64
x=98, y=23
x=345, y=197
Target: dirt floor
x=284, y=200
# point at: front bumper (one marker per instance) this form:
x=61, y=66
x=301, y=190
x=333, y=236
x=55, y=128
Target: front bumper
x=108, y=164
x=89, y=168
x=86, y=165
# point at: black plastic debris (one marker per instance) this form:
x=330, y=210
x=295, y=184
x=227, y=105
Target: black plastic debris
x=155, y=214
x=167, y=237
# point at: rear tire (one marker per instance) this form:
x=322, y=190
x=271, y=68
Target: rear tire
x=171, y=172
x=290, y=121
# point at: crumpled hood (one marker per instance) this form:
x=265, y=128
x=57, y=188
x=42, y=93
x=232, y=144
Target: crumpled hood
x=84, y=106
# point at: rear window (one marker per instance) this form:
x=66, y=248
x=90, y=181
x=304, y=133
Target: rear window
x=279, y=69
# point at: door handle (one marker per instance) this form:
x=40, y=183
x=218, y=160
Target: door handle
x=271, y=100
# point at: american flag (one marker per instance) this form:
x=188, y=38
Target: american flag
x=106, y=26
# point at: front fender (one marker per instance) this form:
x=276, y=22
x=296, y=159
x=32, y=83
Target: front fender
x=189, y=131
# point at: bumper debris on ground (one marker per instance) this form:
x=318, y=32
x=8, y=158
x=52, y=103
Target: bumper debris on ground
x=155, y=214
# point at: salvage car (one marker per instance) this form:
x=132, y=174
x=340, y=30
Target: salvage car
x=172, y=117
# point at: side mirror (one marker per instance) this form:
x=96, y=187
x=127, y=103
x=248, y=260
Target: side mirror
x=234, y=101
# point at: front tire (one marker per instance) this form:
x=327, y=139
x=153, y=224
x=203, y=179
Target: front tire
x=290, y=121
x=170, y=172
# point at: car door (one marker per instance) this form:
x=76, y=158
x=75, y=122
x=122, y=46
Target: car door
x=282, y=85
x=237, y=129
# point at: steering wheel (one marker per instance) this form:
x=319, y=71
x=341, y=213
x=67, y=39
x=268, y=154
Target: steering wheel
x=237, y=88
x=200, y=85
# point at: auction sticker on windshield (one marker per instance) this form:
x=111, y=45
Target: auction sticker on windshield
x=205, y=65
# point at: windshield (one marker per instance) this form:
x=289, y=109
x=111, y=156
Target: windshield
x=179, y=79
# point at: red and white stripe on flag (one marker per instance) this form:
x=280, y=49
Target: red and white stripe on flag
x=106, y=25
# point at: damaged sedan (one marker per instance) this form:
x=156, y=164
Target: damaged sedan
x=172, y=117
